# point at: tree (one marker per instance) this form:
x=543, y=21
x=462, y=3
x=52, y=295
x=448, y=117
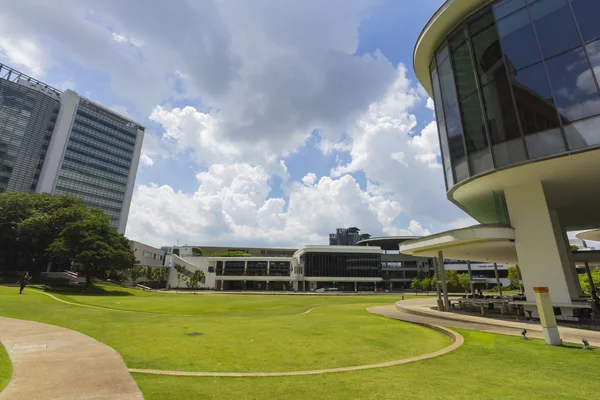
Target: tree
x=162, y=274
x=574, y=247
x=513, y=277
x=135, y=273
x=425, y=283
x=415, y=284
x=29, y=223
x=585, y=282
x=197, y=252
x=181, y=273
x=93, y=247
x=196, y=279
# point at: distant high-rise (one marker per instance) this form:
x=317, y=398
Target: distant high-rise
x=61, y=143
x=347, y=237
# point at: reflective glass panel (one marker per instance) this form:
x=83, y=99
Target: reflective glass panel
x=534, y=100
x=441, y=119
x=554, y=26
x=593, y=50
x=475, y=137
x=442, y=54
x=574, y=86
x=518, y=40
x=587, y=14
x=463, y=71
x=503, y=8
x=488, y=55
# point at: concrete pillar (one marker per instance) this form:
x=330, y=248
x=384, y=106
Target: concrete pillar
x=540, y=243
x=374, y=286
x=470, y=277
x=437, y=279
x=304, y=286
x=356, y=286
x=498, y=283
x=444, y=284
x=245, y=268
x=520, y=277
x=591, y=280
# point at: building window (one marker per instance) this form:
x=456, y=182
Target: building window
x=147, y=254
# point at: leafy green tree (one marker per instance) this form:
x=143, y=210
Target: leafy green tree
x=93, y=247
x=513, y=277
x=425, y=283
x=197, y=252
x=585, y=282
x=149, y=273
x=136, y=272
x=415, y=284
x=29, y=223
x=162, y=274
x=229, y=254
x=196, y=279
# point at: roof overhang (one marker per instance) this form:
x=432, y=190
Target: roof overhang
x=450, y=14
x=483, y=243
x=386, y=242
x=590, y=235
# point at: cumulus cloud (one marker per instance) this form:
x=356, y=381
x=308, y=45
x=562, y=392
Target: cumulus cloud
x=146, y=161
x=232, y=206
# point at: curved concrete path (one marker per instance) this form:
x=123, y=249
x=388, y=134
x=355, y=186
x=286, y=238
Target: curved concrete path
x=54, y=363
x=421, y=311
x=457, y=341
x=159, y=313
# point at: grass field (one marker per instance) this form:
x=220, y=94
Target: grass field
x=273, y=333
x=5, y=368
x=238, y=334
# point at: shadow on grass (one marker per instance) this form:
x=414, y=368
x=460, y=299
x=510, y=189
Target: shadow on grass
x=92, y=290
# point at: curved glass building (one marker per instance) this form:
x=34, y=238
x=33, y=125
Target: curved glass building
x=516, y=87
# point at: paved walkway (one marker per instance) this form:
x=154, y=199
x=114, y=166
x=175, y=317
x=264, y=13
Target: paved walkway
x=420, y=311
x=54, y=363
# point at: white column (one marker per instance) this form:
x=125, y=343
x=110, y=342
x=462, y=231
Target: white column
x=540, y=244
x=69, y=101
x=356, y=286
x=498, y=279
x=444, y=284
x=437, y=279
x=135, y=159
x=374, y=286
x=470, y=277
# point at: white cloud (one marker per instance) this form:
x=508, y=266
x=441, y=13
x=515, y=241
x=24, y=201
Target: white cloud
x=232, y=205
x=24, y=53
x=427, y=145
x=383, y=148
x=146, y=161
x=430, y=103
x=309, y=179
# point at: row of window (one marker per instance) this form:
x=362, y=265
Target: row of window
x=517, y=81
x=95, y=165
x=91, y=190
x=113, y=139
x=98, y=156
x=97, y=144
x=153, y=256
x=127, y=132
x=117, y=188
x=82, y=168
x=253, y=268
x=341, y=264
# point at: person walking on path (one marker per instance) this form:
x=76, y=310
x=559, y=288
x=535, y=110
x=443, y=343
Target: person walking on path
x=24, y=280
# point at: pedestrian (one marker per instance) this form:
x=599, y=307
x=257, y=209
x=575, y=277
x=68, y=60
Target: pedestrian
x=24, y=280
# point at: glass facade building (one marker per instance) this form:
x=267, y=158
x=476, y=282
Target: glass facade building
x=345, y=265
x=517, y=81
x=58, y=142
x=98, y=159
x=27, y=119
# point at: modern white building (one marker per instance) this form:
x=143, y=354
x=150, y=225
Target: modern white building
x=517, y=98
x=62, y=143
x=349, y=268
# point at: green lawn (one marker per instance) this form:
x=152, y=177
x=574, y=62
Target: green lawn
x=238, y=335
x=487, y=366
x=265, y=333
x=5, y=368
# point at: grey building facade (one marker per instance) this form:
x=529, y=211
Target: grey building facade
x=61, y=143
x=347, y=237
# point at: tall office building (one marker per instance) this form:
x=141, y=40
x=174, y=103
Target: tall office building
x=347, y=237
x=61, y=143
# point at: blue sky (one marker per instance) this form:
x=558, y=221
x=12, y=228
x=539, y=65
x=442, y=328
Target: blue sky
x=268, y=123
